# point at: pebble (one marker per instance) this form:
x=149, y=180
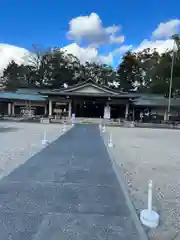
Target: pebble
x=156, y=158
x=19, y=145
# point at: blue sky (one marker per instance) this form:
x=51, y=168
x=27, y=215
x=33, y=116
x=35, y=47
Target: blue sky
x=23, y=23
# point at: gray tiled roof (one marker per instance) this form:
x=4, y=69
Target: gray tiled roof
x=156, y=101
x=28, y=90
x=22, y=96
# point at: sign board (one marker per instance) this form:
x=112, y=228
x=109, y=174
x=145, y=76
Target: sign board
x=45, y=120
x=60, y=104
x=57, y=110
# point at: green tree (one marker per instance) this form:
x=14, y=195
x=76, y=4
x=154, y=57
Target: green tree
x=13, y=76
x=149, y=71
x=60, y=68
x=129, y=71
x=100, y=73
x=162, y=71
x=147, y=61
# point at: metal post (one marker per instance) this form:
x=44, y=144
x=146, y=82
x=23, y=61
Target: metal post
x=170, y=84
x=150, y=197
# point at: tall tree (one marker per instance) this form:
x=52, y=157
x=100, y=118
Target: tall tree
x=149, y=71
x=37, y=60
x=61, y=68
x=147, y=61
x=14, y=76
x=100, y=73
x=129, y=71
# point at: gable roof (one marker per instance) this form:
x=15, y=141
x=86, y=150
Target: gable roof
x=91, y=83
x=86, y=88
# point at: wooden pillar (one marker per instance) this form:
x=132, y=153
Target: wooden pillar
x=13, y=111
x=126, y=111
x=166, y=115
x=69, y=109
x=9, y=109
x=50, y=107
x=45, y=109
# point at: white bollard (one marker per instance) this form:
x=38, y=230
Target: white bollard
x=132, y=124
x=72, y=123
x=100, y=126
x=104, y=129
x=110, y=143
x=148, y=217
x=45, y=141
x=64, y=128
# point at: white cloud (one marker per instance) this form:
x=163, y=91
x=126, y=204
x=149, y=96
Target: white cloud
x=160, y=45
x=91, y=54
x=116, y=39
x=83, y=54
x=88, y=54
x=122, y=49
x=20, y=55
x=90, y=29
x=167, y=29
x=106, y=59
x=161, y=37
x=9, y=53
x=112, y=29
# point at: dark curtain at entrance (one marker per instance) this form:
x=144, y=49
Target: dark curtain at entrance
x=4, y=108
x=93, y=110
x=117, y=111
x=88, y=109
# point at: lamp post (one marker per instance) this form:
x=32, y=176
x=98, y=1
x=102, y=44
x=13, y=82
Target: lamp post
x=175, y=38
x=170, y=84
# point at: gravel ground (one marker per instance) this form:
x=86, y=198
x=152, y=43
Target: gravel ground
x=145, y=154
x=20, y=141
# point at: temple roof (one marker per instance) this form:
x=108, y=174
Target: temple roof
x=88, y=88
x=22, y=96
x=155, y=101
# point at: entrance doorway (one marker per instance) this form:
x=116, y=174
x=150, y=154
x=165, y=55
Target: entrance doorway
x=117, y=111
x=93, y=110
x=89, y=109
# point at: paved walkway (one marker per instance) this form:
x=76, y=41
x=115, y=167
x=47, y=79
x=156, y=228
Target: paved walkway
x=68, y=191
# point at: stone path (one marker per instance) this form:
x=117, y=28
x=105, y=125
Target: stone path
x=66, y=191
